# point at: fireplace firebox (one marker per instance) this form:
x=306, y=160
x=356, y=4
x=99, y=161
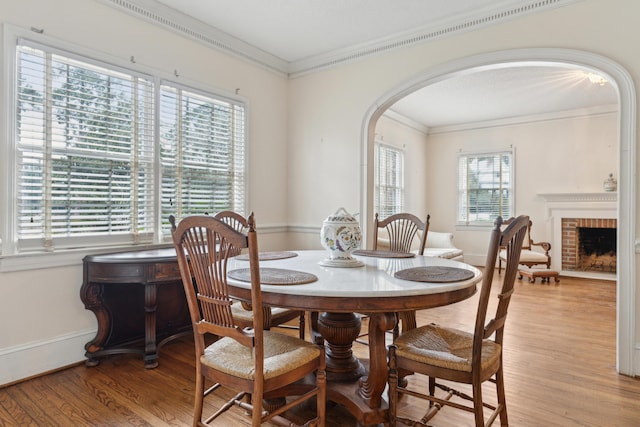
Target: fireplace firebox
x=589, y=244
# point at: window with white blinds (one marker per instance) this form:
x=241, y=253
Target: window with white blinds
x=91, y=166
x=485, y=187
x=202, y=151
x=388, y=180
x=84, y=151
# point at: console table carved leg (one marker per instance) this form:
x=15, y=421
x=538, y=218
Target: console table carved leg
x=150, y=346
x=91, y=296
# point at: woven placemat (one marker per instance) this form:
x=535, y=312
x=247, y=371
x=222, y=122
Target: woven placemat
x=268, y=256
x=274, y=276
x=434, y=274
x=383, y=254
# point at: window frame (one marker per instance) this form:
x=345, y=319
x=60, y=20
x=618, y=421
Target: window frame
x=12, y=258
x=461, y=222
x=399, y=178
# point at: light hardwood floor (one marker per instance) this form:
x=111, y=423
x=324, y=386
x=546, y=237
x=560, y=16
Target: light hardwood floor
x=559, y=363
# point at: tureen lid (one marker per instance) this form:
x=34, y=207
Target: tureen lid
x=341, y=215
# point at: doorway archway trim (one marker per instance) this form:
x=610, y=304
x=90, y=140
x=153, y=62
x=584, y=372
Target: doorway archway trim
x=621, y=79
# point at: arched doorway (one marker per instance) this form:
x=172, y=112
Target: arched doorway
x=620, y=78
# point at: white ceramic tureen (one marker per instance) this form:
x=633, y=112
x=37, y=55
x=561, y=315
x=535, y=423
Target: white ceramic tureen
x=341, y=235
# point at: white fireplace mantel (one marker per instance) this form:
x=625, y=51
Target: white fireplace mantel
x=579, y=197
x=575, y=205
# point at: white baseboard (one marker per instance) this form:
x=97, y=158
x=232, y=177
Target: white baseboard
x=35, y=358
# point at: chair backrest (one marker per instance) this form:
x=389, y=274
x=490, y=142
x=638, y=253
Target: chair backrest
x=510, y=238
x=234, y=220
x=526, y=243
x=203, y=246
x=402, y=229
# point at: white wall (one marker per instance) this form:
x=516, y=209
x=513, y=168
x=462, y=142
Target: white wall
x=320, y=133
x=43, y=323
x=552, y=155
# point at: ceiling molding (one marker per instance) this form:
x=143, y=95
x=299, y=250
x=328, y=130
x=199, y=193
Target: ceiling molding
x=406, y=121
x=441, y=30
x=166, y=17
x=532, y=118
x=172, y=20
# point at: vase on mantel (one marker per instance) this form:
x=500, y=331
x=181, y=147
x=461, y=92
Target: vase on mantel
x=610, y=184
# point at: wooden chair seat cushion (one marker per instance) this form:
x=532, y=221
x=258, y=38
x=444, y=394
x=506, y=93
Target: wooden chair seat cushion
x=444, y=347
x=528, y=256
x=282, y=353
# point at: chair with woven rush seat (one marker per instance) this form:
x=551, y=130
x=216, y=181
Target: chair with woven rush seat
x=457, y=356
x=529, y=256
x=243, y=311
x=401, y=231
x=255, y=362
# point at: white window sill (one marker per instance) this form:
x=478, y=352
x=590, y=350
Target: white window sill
x=34, y=261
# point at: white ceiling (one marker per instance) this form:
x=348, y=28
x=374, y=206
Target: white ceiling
x=297, y=30
x=507, y=93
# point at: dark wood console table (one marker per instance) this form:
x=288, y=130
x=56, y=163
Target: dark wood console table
x=138, y=300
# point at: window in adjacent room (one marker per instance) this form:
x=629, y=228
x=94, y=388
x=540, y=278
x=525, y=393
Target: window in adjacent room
x=388, y=180
x=485, y=187
x=97, y=164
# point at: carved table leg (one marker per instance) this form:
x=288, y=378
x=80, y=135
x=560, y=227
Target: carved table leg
x=372, y=386
x=150, y=346
x=340, y=331
x=91, y=296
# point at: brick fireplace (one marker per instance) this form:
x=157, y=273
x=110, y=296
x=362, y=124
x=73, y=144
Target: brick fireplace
x=589, y=244
x=567, y=214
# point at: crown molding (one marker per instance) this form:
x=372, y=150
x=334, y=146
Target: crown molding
x=406, y=121
x=158, y=14
x=166, y=17
x=600, y=110
x=445, y=28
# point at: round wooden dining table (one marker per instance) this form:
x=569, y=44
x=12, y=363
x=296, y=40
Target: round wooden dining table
x=303, y=280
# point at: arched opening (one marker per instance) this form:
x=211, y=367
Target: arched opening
x=626, y=271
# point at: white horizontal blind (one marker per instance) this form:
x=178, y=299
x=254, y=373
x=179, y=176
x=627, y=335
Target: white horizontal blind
x=84, y=140
x=389, y=180
x=485, y=187
x=202, y=150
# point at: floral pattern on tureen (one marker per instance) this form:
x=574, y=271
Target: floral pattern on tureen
x=341, y=235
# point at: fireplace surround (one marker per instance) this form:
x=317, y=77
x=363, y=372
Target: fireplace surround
x=566, y=213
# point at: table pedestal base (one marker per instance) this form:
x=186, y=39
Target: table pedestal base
x=356, y=385
x=348, y=396
x=339, y=331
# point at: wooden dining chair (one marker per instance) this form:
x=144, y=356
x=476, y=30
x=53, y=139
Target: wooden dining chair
x=453, y=355
x=243, y=311
x=402, y=232
x=254, y=362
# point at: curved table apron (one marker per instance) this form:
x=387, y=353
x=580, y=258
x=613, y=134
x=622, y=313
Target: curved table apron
x=339, y=293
